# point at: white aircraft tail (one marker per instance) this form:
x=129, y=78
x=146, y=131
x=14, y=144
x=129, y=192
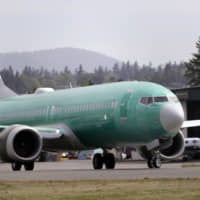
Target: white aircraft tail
x=5, y=91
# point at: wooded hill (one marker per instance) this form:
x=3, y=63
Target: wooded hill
x=29, y=78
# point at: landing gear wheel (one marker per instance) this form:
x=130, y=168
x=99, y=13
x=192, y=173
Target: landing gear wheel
x=16, y=166
x=156, y=162
x=150, y=163
x=97, y=161
x=109, y=161
x=29, y=166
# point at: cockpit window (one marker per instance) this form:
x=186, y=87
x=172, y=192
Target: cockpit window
x=150, y=100
x=173, y=99
x=146, y=100
x=160, y=99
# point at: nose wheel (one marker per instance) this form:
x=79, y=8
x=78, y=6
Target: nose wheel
x=154, y=161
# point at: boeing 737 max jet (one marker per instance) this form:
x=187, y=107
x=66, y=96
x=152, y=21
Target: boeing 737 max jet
x=140, y=114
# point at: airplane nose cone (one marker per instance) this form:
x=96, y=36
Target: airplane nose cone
x=171, y=117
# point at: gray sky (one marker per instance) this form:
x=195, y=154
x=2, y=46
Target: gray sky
x=142, y=30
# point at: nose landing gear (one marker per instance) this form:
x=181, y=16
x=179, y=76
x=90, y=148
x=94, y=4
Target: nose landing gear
x=154, y=161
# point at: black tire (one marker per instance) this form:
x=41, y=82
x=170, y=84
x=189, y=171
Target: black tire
x=97, y=161
x=109, y=160
x=157, y=162
x=16, y=166
x=29, y=166
x=150, y=163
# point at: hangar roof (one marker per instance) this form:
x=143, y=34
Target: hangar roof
x=188, y=94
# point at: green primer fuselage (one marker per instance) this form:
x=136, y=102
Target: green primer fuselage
x=100, y=116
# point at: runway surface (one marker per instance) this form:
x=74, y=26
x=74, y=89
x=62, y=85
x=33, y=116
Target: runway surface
x=82, y=170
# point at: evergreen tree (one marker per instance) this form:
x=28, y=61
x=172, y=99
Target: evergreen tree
x=193, y=67
x=79, y=75
x=116, y=70
x=99, y=75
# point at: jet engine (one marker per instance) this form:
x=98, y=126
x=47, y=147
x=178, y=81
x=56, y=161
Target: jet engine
x=19, y=143
x=173, y=147
x=169, y=149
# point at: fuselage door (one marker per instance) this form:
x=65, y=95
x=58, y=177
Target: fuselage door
x=124, y=106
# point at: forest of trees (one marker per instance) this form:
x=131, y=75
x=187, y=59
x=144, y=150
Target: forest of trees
x=193, y=67
x=170, y=75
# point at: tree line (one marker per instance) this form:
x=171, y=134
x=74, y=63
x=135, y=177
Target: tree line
x=30, y=78
x=193, y=67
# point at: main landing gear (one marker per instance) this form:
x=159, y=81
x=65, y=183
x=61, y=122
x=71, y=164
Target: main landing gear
x=154, y=161
x=107, y=158
x=16, y=166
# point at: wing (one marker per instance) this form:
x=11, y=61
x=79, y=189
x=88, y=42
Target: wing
x=45, y=132
x=190, y=123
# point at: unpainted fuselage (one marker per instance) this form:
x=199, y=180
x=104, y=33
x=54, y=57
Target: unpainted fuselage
x=105, y=115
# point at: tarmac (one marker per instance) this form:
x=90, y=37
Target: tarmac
x=82, y=170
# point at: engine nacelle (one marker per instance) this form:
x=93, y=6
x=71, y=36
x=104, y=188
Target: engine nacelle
x=169, y=149
x=19, y=143
x=173, y=148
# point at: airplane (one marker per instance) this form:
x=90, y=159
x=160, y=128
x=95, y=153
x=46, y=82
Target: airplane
x=145, y=115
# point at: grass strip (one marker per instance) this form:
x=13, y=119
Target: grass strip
x=151, y=189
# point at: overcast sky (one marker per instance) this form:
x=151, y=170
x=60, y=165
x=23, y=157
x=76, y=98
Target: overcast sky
x=142, y=30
